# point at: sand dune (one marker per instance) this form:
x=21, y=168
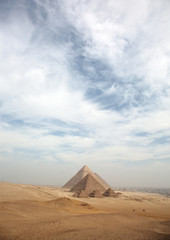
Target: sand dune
x=15, y=192
x=36, y=212
x=70, y=205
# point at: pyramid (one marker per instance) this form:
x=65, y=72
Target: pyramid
x=77, y=177
x=81, y=194
x=81, y=174
x=96, y=193
x=105, y=185
x=89, y=184
x=111, y=193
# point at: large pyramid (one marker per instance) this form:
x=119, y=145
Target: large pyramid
x=89, y=184
x=78, y=176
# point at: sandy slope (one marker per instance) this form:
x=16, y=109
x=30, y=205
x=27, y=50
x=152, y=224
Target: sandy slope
x=36, y=212
x=15, y=192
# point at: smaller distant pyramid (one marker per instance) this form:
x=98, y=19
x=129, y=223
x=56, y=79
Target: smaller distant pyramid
x=77, y=177
x=111, y=193
x=81, y=194
x=89, y=184
x=96, y=194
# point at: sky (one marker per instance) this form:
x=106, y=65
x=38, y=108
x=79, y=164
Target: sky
x=85, y=82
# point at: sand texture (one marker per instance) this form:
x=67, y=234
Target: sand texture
x=40, y=213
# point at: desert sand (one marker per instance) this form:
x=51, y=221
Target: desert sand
x=38, y=212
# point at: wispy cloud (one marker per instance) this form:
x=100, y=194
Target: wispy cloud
x=85, y=82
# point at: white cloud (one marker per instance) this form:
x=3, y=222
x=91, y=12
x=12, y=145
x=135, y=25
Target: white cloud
x=133, y=37
x=38, y=80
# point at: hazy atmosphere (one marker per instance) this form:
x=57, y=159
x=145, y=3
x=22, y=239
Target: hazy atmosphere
x=85, y=82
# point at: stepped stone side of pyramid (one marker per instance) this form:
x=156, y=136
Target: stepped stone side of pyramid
x=89, y=183
x=101, y=181
x=77, y=177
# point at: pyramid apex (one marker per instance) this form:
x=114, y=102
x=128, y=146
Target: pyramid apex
x=78, y=176
x=85, y=167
